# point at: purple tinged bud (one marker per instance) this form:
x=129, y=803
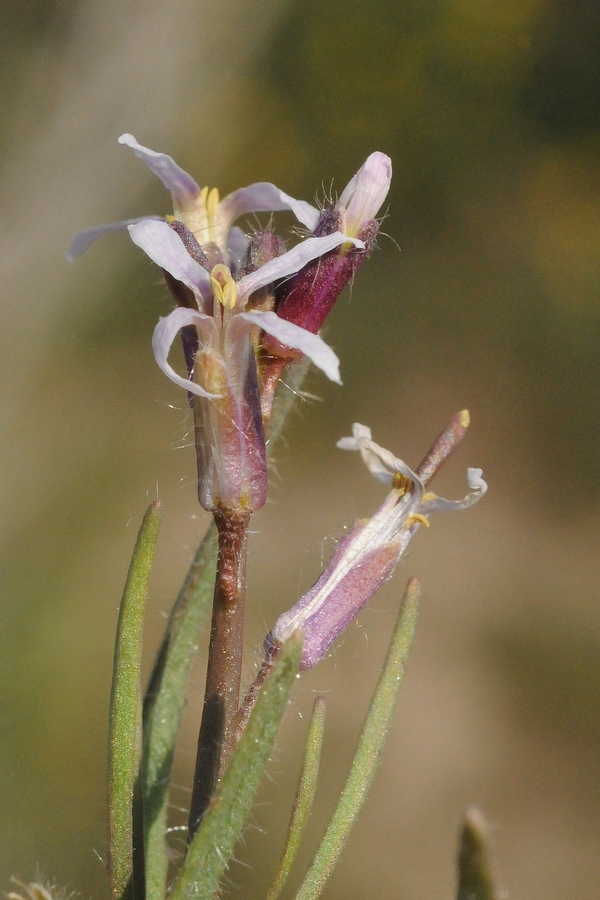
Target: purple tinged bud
x=308, y=297
x=263, y=247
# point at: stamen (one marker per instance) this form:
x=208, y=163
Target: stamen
x=417, y=517
x=401, y=483
x=223, y=286
x=212, y=201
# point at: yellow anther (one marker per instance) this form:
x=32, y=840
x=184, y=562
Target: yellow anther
x=464, y=418
x=417, y=517
x=401, y=483
x=429, y=496
x=223, y=286
x=203, y=196
x=170, y=219
x=212, y=201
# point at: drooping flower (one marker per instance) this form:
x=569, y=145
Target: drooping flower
x=230, y=437
x=367, y=556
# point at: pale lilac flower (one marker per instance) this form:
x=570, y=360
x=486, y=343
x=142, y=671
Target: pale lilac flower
x=231, y=446
x=207, y=217
x=367, y=556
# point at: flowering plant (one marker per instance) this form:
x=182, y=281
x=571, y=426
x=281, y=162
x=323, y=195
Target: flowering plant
x=249, y=309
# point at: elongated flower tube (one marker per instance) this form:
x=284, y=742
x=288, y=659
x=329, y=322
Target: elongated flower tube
x=230, y=437
x=367, y=556
x=203, y=213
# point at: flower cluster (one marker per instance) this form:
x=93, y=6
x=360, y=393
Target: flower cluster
x=245, y=307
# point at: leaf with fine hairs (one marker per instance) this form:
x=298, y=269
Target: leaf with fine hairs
x=125, y=807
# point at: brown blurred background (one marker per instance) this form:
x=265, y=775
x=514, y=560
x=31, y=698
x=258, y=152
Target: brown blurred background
x=484, y=293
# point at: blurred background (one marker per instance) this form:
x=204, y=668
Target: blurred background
x=484, y=293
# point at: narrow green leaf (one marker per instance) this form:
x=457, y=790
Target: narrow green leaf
x=474, y=875
x=214, y=842
x=370, y=744
x=305, y=795
x=125, y=812
x=165, y=701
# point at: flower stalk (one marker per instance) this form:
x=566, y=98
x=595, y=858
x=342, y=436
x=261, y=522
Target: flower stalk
x=216, y=739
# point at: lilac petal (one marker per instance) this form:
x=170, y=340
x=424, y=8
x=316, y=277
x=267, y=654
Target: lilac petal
x=266, y=197
x=439, y=504
x=182, y=186
x=83, y=239
x=311, y=345
x=163, y=337
x=237, y=244
x=364, y=194
x=292, y=261
x=166, y=249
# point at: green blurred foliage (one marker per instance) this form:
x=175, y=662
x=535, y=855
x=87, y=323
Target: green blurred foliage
x=491, y=114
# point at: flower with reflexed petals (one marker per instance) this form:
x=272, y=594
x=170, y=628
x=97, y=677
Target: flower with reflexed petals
x=230, y=437
x=367, y=556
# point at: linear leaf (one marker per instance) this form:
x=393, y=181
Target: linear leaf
x=369, y=748
x=165, y=702
x=305, y=795
x=214, y=842
x=125, y=813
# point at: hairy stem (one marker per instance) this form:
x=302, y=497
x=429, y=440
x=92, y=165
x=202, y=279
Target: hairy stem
x=221, y=699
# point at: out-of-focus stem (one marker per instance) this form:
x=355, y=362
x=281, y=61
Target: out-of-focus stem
x=445, y=443
x=221, y=698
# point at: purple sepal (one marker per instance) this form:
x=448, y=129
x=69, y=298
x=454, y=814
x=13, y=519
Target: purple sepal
x=230, y=439
x=308, y=297
x=344, y=600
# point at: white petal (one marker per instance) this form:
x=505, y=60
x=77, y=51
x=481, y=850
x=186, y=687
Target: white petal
x=381, y=463
x=292, y=261
x=311, y=345
x=359, y=432
x=266, y=197
x=83, y=239
x=182, y=186
x=166, y=249
x=163, y=337
x=439, y=504
x=364, y=194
